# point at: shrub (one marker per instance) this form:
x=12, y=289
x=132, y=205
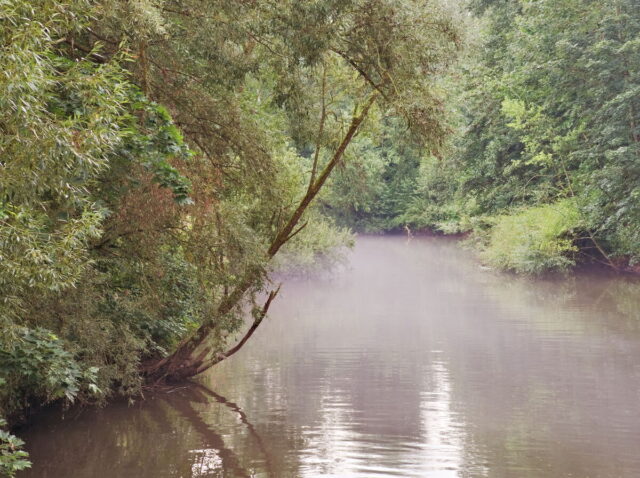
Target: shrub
x=12, y=457
x=534, y=239
x=36, y=365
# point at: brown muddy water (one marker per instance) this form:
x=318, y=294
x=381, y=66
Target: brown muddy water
x=412, y=361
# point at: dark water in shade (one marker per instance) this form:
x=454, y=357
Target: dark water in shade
x=412, y=362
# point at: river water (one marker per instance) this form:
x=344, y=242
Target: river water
x=411, y=361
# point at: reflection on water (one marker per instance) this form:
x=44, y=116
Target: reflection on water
x=412, y=362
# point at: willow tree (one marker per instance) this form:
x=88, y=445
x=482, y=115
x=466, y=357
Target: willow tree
x=121, y=244
x=334, y=69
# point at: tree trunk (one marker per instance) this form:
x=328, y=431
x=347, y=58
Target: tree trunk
x=194, y=355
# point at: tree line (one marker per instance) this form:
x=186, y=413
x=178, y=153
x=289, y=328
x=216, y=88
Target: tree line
x=543, y=166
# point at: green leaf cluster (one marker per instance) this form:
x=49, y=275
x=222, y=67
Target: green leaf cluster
x=12, y=457
x=36, y=365
x=534, y=239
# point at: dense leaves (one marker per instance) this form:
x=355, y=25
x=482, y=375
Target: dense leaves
x=12, y=457
x=76, y=137
x=156, y=157
x=550, y=111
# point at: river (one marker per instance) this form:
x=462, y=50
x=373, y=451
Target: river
x=411, y=361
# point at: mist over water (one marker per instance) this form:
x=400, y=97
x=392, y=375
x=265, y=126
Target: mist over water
x=411, y=361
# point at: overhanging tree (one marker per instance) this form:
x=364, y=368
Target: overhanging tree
x=329, y=66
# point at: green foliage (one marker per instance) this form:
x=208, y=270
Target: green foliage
x=372, y=190
x=434, y=204
x=534, y=239
x=76, y=138
x=549, y=109
x=151, y=155
x=321, y=247
x=35, y=365
x=46, y=217
x=12, y=458
x=150, y=138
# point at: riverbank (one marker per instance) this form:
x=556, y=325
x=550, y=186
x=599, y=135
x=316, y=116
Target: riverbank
x=584, y=254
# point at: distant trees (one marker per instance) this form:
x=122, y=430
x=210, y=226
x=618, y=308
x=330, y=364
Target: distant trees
x=546, y=150
x=550, y=105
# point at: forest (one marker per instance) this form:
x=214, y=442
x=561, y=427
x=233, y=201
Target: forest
x=160, y=160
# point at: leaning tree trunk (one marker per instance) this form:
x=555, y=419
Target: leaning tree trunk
x=194, y=355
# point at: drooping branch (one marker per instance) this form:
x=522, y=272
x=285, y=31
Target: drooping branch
x=378, y=87
x=323, y=117
x=294, y=233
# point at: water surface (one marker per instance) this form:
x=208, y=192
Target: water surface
x=413, y=361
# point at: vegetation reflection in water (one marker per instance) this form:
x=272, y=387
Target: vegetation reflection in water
x=165, y=435
x=413, y=361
